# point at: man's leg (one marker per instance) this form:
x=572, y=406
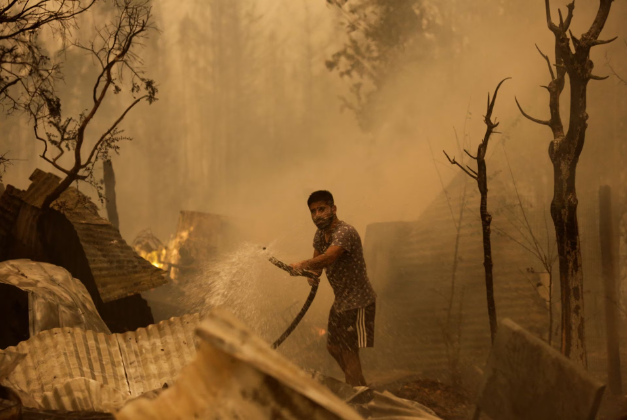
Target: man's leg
x=344, y=342
x=336, y=353
x=352, y=368
x=335, y=338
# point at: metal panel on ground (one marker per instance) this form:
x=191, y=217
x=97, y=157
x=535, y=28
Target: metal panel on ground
x=115, y=367
x=236, y=375
x=56, y=300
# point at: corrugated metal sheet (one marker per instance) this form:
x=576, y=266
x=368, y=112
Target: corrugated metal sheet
x=116, y=268
x=55, y=299
x=69, y=366
x=236, y=375
x=82, y=394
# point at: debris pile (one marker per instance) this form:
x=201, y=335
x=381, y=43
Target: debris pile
x=237, y=375
x=73, y=369
x=72, y=235
x=39, y=296
x=80, y=342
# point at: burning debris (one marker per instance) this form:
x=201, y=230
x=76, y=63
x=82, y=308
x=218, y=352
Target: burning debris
x=199, y=239
x=150, y=248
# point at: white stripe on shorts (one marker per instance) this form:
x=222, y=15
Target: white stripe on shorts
x=361, y=328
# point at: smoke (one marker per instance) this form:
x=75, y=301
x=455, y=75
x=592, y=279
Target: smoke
x=249, y=122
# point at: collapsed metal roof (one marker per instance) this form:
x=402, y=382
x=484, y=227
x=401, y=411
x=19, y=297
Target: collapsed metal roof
x=236, y=375
x=74, y=369
x=116, y=268
x=55, y=298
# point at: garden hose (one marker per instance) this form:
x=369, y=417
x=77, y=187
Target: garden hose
x=310, y=298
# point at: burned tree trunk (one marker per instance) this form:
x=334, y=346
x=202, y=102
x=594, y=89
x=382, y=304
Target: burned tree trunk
x=486, y=220
x=564, y=152
x=109, y=185
x=564, y=214
x=480, y=175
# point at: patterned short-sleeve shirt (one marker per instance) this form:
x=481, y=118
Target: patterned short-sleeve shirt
x=347, y=275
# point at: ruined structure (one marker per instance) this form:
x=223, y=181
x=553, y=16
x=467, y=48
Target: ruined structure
x=411, y=264
x=199, y=238
x=79, y=240
x=35, y=297
x=94, y=371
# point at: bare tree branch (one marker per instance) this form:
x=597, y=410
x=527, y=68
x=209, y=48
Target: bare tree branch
x=569, y=17
x=23, y=62
x=454, y=162
x=529, y=117
x=471, y=156
x=107, y=133
x=602, y=42
x=548, y=62
x=599, y=21
x=113, y=50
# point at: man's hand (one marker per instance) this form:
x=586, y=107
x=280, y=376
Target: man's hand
x=313, y=282
x=298, y=267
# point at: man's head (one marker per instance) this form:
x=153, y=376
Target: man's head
x=322, y=208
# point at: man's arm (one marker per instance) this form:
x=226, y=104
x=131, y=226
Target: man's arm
x=320, y=261
x=318, y=271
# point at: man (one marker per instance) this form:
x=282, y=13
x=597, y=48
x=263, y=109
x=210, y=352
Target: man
x=338, y=249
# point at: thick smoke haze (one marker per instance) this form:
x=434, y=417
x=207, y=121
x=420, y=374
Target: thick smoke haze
x=249, y=120
x=285, y=135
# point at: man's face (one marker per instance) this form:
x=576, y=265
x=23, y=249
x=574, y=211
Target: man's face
x=322, y=214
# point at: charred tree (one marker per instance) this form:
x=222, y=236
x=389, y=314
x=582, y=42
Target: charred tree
x=564, y=152
x=480, y=175
x=24, y=63
x=114, y=50
x=23, y=60
x=110, y=197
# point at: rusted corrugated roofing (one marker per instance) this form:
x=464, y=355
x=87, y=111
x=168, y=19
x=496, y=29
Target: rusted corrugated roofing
x=236, y=375
x=117, y=269
x=55, y=298
x=74, y=369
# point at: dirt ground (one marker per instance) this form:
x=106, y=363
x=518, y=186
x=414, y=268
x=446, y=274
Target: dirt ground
x=451, y=404
x=445, y=401
x=613, y=408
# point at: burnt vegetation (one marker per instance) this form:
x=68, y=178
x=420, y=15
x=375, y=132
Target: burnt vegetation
x=564, y=151
x=114, y=51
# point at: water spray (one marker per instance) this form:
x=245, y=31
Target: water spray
x=310, y=298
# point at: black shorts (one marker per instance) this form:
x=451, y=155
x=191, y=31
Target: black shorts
x=353, y=329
